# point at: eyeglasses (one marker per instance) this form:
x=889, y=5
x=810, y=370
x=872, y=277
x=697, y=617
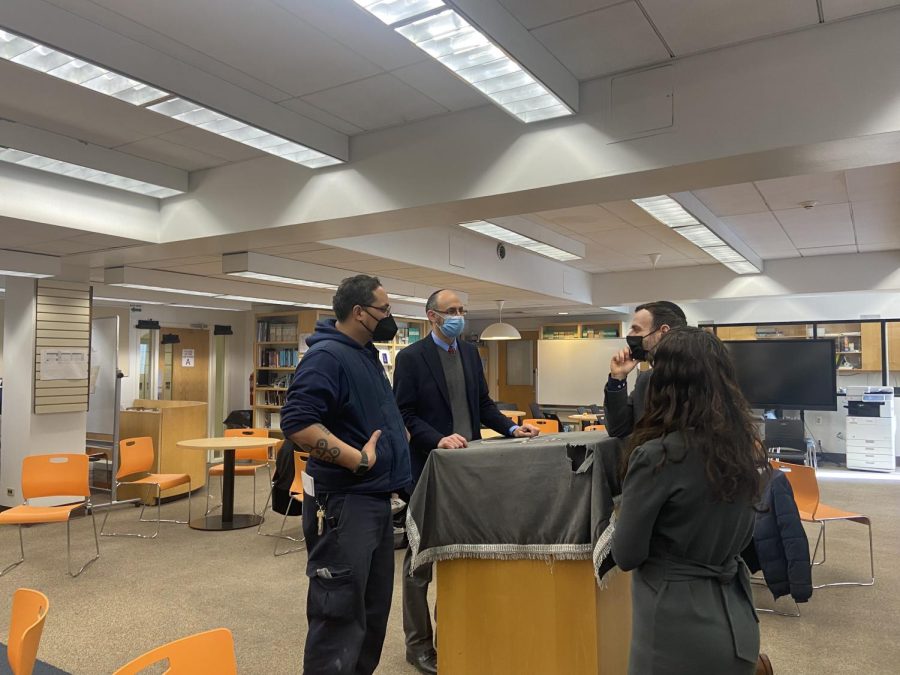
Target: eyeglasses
x=452, y=311
x=386, y=310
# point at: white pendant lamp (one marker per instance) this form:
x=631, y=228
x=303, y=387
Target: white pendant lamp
x=500, y=330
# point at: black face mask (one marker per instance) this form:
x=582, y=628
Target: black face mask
x=385, y=329
x=636, y=345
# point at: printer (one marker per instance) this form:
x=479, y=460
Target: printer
x=871, y=428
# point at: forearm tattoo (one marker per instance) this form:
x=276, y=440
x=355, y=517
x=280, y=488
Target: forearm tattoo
x=321, y=450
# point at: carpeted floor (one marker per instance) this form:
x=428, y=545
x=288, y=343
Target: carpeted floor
x=143, y=593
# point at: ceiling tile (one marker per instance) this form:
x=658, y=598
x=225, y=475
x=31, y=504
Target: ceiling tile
x=868, y=248
x=696, y=25
x=821, y=226
x=631, y=213
x=534, y=13
x=211, y=144
x=732, y=200
x=787, y=193
x=877, y=221
x=761, y=232
x=873, y=182
x=838, y=9
x=314, y=113
x=259, y=39
x=173, y=154
x=606, y=41
x=439, y=84
x=826, y=250
x=376, y=102
x=583, y=219
x=779, y=255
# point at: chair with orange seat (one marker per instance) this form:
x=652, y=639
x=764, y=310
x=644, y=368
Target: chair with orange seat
x=546, y=426
x=207, y=653
x=253, y=458
x=595, y=427
x=296, y=494
x=812, y=510
x=57, y=475
x=29, y=610
x=136, y=456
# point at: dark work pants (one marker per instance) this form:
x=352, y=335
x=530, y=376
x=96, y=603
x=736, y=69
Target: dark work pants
x=351, y=580
x=416, y=616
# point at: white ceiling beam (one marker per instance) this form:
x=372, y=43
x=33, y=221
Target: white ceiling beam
x=21, y=264
x=56, y=146
x=54, y=26
x=503, y=28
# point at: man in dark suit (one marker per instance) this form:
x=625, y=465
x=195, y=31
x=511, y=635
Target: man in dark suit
x=650, y=322
x=443, y=397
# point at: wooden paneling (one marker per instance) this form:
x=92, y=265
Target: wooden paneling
x=168, y=422
x=508, y=617
x=192, y=383
x=521, y=395
x=870, y=345
x=736, y=332
x=62, y=320
x=893, y=331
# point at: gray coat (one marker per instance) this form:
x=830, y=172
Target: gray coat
x=692, y=606
x=622, y=410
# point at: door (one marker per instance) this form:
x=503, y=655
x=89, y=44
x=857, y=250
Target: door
x=184, y=365
x=517, y=363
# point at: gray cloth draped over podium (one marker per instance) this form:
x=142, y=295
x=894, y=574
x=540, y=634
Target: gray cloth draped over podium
x=546, y=498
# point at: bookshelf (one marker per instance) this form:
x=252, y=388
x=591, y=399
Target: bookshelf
x=279, y=343
x=580, y=331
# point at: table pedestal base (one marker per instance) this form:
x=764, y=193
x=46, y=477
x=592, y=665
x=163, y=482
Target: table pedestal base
x=238, y=521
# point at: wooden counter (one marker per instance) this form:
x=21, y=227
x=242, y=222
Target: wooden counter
x=531, y=617
x=168, y=422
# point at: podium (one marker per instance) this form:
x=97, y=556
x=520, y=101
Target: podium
x=513, y=528
x=531, y=617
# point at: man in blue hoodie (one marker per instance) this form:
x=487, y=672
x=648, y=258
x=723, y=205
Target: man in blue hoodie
x=341, y=410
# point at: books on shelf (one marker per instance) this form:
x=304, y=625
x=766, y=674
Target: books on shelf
x=272, y=420
x=279, y=358
x=275, y=331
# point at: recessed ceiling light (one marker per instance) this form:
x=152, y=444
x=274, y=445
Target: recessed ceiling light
x=265, y=301
x=503, y=234
x=262, y=276
x=61, y=168
x=218, y=309
x=131, y=302
x=563, y=313
x=407, y=298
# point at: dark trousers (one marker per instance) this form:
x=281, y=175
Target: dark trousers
x=351, y=580
x=416, y=616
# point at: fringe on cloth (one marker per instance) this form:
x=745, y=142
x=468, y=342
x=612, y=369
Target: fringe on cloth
x=604, y=547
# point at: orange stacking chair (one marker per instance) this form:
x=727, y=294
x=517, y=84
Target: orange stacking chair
x=29, y=610
x=806, y=494
x=258, y=458
x=546, y=426
x=136, y=456
x=595, y=427
x=296, y=492
x=207, y=653
x=59, y=475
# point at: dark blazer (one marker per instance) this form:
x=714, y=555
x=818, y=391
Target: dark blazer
x=622, y=410
x=424, y=402
x=780, y=547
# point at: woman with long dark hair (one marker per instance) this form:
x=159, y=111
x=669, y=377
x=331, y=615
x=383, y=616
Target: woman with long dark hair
x=693, y=476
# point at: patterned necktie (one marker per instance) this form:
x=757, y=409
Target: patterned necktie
x=451, y=350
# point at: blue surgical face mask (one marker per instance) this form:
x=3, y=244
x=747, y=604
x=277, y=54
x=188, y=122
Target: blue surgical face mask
x=453, y=326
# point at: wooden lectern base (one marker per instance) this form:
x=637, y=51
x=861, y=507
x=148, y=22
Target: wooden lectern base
x=531, y=617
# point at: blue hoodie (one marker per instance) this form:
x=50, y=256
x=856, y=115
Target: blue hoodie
x=342, y=385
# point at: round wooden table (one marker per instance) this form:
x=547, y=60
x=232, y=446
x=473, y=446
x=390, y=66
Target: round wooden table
x=229, y=520
x=583, y=417
x=515, y=415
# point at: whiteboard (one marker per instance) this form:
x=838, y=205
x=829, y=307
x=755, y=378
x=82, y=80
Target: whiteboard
x=574, y=372
x=102, y=404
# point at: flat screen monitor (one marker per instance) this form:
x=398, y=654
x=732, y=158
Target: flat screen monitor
x=788, y=374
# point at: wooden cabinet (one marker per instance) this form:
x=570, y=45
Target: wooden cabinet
x=168, y=422
x=736, y=332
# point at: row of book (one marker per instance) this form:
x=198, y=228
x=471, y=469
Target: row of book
x=270, y=398
x=279, y=358
x=270, y=331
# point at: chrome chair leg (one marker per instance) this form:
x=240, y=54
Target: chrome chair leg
x=819, y=539
x=21, y=555
x=871, y=582
x=69, y=547
x=281, y=535
x=141, y=519
x=264, y=509
x=208, y=482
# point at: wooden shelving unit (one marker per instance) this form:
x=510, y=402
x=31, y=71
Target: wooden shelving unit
x=580, y=331
x=280, y=340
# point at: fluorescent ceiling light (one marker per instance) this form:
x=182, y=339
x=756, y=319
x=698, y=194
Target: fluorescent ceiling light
x=262, y=276
x=410, y=316
x=51, y=61
x=32, y=265
x=407, y=298
x=163, y=289
x=444, y=34
x=61, y=168
x=218, y=309
x=672, y=214
x=131, y=302
x=265, y=301
x=222, y=125
x=67, y=67
x=313, y=305
x=516, y=239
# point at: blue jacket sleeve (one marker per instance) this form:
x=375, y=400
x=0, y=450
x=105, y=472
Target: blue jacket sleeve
x=315, y=392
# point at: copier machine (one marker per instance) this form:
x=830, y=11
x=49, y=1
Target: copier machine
x=871, y=428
